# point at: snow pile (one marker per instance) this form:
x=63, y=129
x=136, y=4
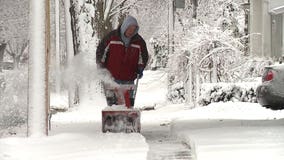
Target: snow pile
x=59, y=101
x=223, y=92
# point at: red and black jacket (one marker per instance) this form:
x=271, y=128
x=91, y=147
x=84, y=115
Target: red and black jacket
x=121, y=61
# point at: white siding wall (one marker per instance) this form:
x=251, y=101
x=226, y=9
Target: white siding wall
x=275, y=4
x=256, y=27
x=266, y=28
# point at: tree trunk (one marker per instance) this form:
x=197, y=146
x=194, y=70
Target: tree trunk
x=70, y=45
x=197, y=83
x=246, y=29
x=74, y=25
x=74, y=89
x=2, y=50
x=100, y=25
x=69, y=37
x=189, y=84
x=195, y=5
x=57, y=47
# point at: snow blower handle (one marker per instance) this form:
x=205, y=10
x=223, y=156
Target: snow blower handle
x=136, y=86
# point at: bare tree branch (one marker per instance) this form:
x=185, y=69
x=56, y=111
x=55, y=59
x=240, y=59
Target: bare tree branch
x=115, y=7
x=24, y=46
x=107, y=8
x=123, y=8
x=10, y=51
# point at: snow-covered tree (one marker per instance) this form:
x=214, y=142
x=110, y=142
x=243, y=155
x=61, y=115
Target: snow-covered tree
x=94, y=19
x=13, y=100
x=13, y=58
x=153, y=20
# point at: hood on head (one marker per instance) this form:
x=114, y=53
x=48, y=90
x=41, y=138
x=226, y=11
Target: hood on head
x=128, y=21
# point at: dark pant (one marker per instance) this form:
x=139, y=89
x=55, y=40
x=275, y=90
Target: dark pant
x=111, y=95
x=112, y=98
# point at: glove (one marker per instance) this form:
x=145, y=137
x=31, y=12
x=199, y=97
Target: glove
x=140, y=72
x=100, y=65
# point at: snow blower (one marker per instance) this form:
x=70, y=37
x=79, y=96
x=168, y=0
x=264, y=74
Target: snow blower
x=120, y=115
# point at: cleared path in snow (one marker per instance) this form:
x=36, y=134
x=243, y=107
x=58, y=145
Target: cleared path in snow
x=162, y=146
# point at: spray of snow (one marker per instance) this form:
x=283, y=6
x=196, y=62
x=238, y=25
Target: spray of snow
x=83, y=69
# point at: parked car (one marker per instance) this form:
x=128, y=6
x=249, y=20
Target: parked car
x=270, y=93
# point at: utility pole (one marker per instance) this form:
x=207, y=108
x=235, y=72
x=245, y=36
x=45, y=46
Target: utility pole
x=38, y=98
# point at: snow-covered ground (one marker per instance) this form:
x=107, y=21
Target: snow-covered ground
x=232, y=131
x=218, y=131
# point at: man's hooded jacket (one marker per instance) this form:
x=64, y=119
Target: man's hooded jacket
x=121, y=55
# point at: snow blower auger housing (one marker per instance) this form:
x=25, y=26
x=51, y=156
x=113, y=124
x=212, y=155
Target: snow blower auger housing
x=120, y=116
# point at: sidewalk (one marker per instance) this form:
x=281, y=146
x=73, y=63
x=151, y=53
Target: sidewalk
x=232, y=139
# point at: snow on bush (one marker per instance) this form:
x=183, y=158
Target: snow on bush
x=177, y=94
x=235, y=92
x=177, y=78
x=159, y=57
x=13, y=100
x=210, y=49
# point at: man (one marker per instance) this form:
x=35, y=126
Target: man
x=123, y=53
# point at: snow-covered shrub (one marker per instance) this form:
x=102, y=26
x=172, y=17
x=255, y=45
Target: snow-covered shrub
x=177, y=78
x=177, y=94
x=236, y=92
x=211, y=49
x=13, y=99
x=159, y=58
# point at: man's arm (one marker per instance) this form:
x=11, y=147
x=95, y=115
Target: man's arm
x=144, y=53
x=101, y=53
x=143, y=59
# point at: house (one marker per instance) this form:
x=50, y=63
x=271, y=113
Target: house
x=266, y=28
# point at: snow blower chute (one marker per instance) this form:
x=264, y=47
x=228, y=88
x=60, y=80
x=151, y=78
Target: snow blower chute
x=120, y=116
